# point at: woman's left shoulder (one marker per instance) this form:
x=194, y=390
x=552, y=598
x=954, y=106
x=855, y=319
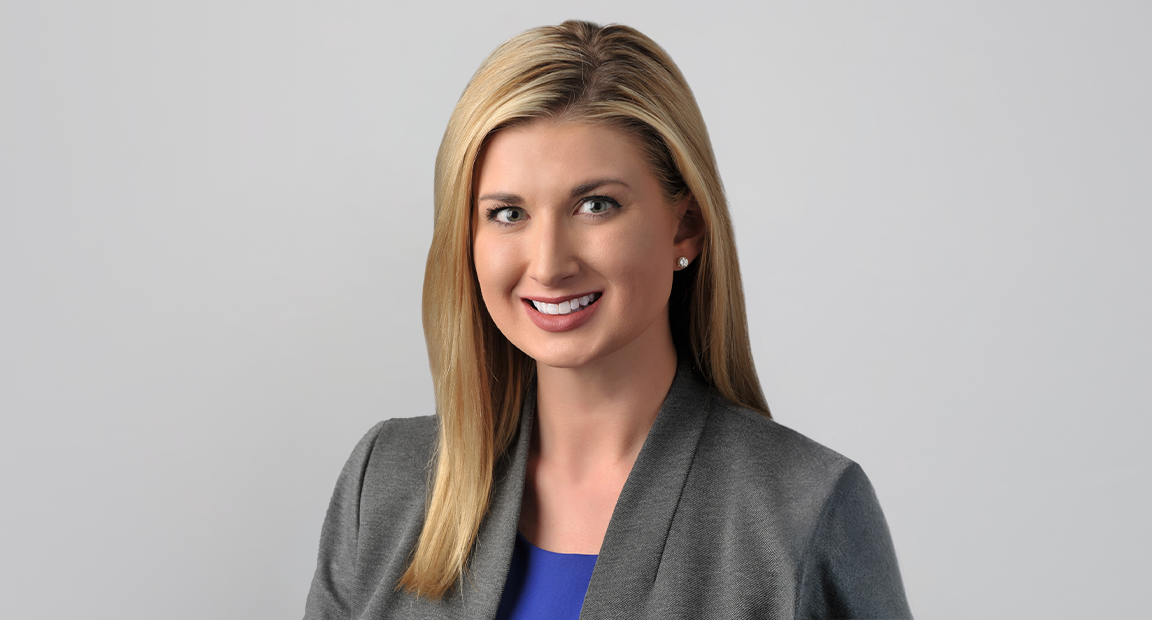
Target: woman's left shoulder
x=787, y=496
x=751, y=443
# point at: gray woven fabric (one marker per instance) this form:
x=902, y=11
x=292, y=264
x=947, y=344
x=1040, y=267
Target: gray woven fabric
x=726, y=514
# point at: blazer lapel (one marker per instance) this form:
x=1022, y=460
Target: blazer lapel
x=634, y=543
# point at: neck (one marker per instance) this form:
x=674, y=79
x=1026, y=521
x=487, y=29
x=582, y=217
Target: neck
x=597, y=416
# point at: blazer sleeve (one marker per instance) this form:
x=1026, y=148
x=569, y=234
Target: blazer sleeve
x=850, y=570
x=330, y=596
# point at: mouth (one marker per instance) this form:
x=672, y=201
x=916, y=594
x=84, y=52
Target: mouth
x=570, y=305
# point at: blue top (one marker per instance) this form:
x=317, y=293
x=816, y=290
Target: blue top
x=543, y=584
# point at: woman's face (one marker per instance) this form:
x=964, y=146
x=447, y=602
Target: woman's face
x=575, y=243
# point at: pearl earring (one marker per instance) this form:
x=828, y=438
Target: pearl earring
x=683, y=262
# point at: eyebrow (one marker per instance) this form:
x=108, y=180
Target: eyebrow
x=584, y=188
x=577, y=191
x=501, y=198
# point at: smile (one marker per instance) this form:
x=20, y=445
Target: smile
x=575, y=304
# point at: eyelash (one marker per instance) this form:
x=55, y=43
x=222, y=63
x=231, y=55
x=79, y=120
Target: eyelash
x=611, y=201
x=494, y=211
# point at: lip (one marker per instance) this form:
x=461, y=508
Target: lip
x=559, y=322
x=556, y=300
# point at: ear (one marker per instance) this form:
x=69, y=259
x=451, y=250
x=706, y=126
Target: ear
x=690, y=234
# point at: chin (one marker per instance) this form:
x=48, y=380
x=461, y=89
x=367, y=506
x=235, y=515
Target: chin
x=567, y=355
x=566, y=359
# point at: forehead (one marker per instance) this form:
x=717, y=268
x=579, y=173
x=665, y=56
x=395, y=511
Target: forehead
x=544, y=156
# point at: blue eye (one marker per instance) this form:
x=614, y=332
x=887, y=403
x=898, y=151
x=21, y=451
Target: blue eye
x=507, y=215
x=598, y=205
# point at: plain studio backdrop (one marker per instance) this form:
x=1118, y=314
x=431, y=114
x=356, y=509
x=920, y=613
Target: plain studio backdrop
x=214, y=218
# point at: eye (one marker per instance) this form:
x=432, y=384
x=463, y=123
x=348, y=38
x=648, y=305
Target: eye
x=598, y=205
x=507, y=215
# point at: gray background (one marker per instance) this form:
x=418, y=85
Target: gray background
x=214, y=218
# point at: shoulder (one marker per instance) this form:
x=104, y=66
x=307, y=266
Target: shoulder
x=376, y=509
x=388, y=469
x=395, y=455
x=784, y=496
x=780, y=481
x=398, y=439
x=750, y=444
x=385, y=482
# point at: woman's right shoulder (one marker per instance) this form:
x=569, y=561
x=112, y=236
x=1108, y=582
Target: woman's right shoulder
x=393, y=459
x=406, y=436
x=375, y=515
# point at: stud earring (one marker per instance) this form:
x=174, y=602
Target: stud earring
x=683, y=262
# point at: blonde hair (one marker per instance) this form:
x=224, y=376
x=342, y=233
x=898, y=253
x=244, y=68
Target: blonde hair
x=579, y=71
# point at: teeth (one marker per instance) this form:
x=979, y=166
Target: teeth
x=565, y=307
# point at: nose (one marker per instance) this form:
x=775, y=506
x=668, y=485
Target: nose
x=553, y=254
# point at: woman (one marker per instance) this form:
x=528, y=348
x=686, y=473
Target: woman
x=601, y=447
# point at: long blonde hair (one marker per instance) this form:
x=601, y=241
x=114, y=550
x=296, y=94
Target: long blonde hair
x=577, y=70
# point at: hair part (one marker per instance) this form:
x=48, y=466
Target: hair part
x=576, y=71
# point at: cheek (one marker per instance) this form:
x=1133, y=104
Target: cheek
x=495, y=270
x=639, y=262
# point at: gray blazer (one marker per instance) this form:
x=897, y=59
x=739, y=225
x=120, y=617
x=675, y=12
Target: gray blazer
x=726, y=514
